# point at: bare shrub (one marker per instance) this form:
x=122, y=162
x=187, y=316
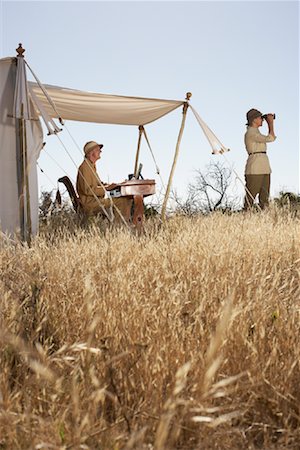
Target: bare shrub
x=208, y=192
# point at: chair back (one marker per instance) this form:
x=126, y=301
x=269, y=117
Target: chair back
x=72, y=193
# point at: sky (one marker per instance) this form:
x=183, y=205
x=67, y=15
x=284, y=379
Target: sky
x=232, y=56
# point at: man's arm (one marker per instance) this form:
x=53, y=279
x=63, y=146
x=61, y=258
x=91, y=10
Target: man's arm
x=111, y=186
x=270, y=122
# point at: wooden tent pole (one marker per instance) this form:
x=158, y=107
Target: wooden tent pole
x=20, y=160
x=185, y=108
x=20, y=172
x=28, y=209
x=138, y=150
x=23, y=182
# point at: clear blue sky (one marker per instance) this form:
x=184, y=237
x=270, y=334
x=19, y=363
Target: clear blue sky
x=232, y=56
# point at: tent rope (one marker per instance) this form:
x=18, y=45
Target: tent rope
x=49, y=122
x=45, y=174
x=153, y=157
x=58, y=165
x=44, y=92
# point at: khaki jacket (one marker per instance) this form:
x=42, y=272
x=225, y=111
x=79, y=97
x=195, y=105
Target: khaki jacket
x=256, y=146
x=89, y=188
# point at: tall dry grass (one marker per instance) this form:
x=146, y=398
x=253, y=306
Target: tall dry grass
x=186, y=337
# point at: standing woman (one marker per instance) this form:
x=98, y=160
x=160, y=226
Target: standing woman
x=258, y=170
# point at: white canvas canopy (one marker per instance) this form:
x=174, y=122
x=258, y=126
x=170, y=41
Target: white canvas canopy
x=21, y=104
x=71, y=104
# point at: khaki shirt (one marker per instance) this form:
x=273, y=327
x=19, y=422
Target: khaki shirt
x=88, y=186
x=255, y=142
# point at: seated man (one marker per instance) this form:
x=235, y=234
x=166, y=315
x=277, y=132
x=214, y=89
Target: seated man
x=91, y=190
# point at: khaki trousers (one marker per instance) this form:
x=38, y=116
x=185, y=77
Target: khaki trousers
x=123, y=204
x=257, y=184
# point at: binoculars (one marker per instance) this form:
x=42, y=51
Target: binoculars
x=265, y=116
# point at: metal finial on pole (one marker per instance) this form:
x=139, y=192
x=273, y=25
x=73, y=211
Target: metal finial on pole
x=20, y=50
x=188, y=96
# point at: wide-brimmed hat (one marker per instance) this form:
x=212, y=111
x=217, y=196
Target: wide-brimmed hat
x=252, y=114
x=89, y=146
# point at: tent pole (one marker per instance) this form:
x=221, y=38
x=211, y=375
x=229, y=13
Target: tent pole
x=138, y=150
x=25, y=219
x=185, y=108
x=20, y=160
x=21, y=184
x=26, y=177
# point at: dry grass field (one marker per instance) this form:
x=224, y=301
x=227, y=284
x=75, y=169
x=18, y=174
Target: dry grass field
x=184, y=338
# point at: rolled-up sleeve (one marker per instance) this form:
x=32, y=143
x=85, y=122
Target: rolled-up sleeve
x=263, y=138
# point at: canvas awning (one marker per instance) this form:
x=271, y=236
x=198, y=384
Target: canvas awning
x=71, y=104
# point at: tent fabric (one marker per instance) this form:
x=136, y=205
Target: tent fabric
x=9, y=205
x=49, y=123
x=21, y=92
x=83, y=106
x=216, y=145
x=12, y=94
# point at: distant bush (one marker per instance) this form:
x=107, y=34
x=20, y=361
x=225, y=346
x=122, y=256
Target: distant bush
x=288, y=199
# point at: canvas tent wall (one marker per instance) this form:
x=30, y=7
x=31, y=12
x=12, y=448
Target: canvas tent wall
x=13, y=192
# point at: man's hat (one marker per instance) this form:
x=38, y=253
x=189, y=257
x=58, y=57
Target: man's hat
x=252, y=114
x=89, y=146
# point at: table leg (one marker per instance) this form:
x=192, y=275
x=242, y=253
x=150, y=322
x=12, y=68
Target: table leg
x=138, y=214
